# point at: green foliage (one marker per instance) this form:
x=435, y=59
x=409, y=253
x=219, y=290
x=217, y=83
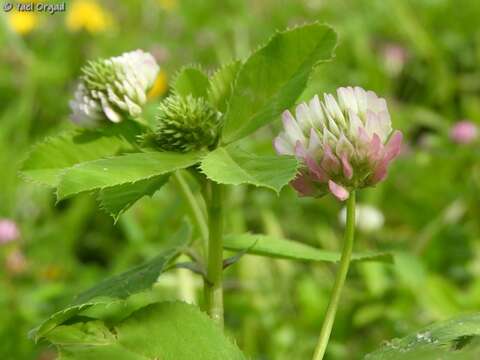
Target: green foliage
x=230, y=165
x=91, y=333
x=275, y=247
x=274, y=76
x=49, y=158
x=116, y=200
x=422, y=56
x=191, y=81
x=167, y=331
x=222, y=84
x=453, y=339
x=119, y=287
x=129, y=168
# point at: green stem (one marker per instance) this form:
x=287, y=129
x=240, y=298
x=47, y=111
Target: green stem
x=195, y=211
x=339, y=280
x=213, y=285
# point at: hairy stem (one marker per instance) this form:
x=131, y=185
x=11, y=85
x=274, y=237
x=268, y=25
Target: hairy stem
x=339, y=280
x=213, y=285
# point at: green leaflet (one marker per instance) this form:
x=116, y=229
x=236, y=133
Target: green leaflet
x=191, y=81
x=118, y=199
x=274, y=76
x=119, y=287
x=129, y=168
x=454, y=339
x=167, y=331
x=275, y=247
x=234, y=167
x=222, y=84
x=49, y=158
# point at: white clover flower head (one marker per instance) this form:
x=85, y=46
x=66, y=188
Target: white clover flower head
x=343, y=143
x=368, y=218
x=110, y=89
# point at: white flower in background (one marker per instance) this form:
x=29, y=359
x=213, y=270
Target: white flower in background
x=344, y=143
x=368, y=218
x=113, y=88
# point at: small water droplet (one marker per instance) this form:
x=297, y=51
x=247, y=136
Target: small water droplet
x=425, y=337
x=392, y=344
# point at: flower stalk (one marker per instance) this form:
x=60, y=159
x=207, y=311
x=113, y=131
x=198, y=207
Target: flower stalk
x=339, y=280
x=213, y=233
x=214, y=282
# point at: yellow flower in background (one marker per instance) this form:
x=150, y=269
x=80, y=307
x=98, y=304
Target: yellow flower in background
x=22, y=22
x=160, y=86
x=168, y=5
x=88, y=15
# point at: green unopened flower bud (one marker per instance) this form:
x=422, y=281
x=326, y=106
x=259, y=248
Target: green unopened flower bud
x=185, y=124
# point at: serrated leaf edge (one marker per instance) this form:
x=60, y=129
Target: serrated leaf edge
x=22, y=173
x=236, y=183
x=101, y=203
x=232, y=85
x=265, y=44
x=175, y=76
x=57, y=194
x=34, y=333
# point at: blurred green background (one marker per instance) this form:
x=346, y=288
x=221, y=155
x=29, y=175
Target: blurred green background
x=422, y=55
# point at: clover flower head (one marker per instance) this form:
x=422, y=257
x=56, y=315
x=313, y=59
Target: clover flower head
x=185, y=124
x=344, y=143
x=8, y=231
x=113, y=88
x=464, y=132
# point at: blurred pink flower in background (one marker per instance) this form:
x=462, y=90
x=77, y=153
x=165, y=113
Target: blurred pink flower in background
x=394, y=56
x=464, y=132
x=343, y=143
x=8, y=231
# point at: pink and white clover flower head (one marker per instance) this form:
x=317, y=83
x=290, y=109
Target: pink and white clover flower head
x=343, y=143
